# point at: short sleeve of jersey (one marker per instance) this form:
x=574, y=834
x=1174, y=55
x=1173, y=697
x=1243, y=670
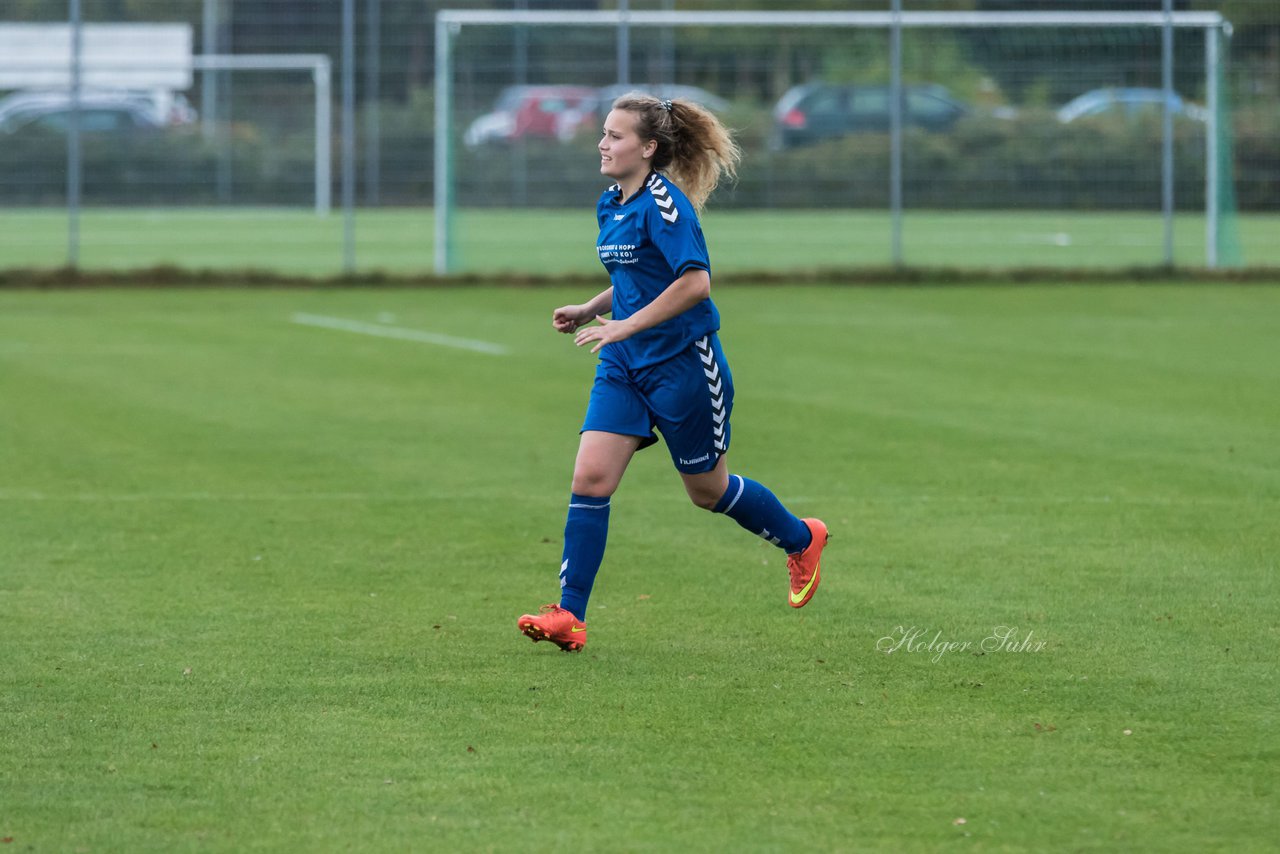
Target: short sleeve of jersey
x=680, y=239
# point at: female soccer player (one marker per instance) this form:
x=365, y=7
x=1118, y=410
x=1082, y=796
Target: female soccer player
x=661, y=365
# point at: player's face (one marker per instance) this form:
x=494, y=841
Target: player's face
x=623, y=155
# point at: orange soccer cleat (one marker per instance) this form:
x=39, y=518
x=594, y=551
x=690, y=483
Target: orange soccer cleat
x=804, y=566
x=557, y=625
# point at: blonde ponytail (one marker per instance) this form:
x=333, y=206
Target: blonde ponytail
x=694, y=148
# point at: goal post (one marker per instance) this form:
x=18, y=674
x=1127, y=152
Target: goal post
x=38, y=57
x=450, y=24
x=320, y=67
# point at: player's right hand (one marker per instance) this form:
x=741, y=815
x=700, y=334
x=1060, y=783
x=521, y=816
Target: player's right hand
x=567, y=319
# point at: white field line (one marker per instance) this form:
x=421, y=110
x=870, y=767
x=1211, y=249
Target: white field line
x=399, y=332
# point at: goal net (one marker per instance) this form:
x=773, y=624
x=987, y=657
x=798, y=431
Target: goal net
x=973, y=140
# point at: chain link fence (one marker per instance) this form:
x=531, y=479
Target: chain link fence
x=300, y=136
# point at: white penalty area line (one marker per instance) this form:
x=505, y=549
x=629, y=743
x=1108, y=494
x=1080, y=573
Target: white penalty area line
x=383, y=331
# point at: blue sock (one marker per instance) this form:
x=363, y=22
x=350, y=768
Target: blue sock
x=758, y=510
x=585, y=532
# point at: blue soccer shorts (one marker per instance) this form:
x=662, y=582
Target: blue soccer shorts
x=687, y=398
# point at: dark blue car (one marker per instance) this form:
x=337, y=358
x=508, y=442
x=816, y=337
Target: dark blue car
x=813, y=112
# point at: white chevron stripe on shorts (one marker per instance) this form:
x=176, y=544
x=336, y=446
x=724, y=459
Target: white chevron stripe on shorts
x=715, y=385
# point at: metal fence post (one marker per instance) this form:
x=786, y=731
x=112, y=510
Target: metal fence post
x=74, y=166
x=1211, y=175
x=348, y=136
x=442, y=155
x=1166, y=154
x=895, y=133
x=209, y=83
x=372, y=96
x=624, y=43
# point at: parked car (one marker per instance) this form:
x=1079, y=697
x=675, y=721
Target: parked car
x=523, y=112
x=813, y=112
x=100, y=110
x=1128, y=102
x=562, y=112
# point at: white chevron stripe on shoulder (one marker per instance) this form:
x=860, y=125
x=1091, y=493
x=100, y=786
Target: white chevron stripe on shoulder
x=661, y=195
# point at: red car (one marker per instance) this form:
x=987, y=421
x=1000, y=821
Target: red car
x=525, y=112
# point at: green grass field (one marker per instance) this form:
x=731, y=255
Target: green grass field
x=548, y=242
x=259, y=580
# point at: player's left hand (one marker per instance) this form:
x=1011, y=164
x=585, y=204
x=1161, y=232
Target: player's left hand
x=607, y=332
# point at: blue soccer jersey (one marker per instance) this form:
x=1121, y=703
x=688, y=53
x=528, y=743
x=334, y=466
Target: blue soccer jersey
x=647, y=242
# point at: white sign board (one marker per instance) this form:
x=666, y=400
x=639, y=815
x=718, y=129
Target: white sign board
x=112, y=56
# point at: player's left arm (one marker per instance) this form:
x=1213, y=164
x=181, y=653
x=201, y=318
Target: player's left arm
x=693, y=286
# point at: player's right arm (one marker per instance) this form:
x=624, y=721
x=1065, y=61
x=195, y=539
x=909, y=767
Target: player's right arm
x=568, y=318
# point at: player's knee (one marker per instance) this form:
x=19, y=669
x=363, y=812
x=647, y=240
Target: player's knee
x=594, y=483
x=703, y=498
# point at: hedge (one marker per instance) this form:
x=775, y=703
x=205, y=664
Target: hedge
x=1030, y=162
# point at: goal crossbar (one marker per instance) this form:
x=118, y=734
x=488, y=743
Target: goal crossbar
x=491, y=17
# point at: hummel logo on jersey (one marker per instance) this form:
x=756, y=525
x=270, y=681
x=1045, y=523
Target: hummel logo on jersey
x=619, y=217
x=661, y=195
